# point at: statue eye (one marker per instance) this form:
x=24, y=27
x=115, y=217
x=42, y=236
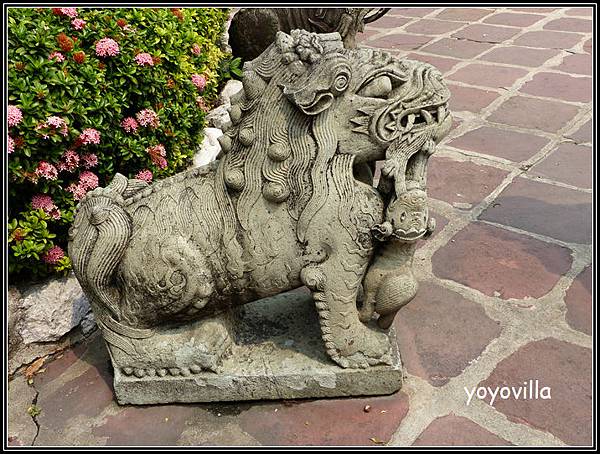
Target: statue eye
x=379, y=87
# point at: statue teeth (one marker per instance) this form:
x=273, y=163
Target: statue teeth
x=427, y=116
x=441, y=113
x=411, y=122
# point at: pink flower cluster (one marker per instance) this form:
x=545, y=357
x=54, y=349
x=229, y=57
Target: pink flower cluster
x=87, y=182
x=199, y=81
x=54, y=254
x=202, y=104
x=144, y=175
x=69, y=161
x=89, y=160
x=129, y=124
x=71, y=12
x=46, y=170
x=78, y=24
x=11, y=145
x=196, y=50
x=14, y=115
x=148, y=117
x=157, y=154
x=144, y=59
x=88, y=136
x=54, y=123
x=45, y=203
x=107, y=47
x=59, y=57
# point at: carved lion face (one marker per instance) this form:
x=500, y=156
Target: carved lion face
x=376, y=98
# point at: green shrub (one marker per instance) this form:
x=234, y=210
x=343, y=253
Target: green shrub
x=92, y=92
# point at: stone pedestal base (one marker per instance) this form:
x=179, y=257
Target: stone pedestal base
x=278, y=354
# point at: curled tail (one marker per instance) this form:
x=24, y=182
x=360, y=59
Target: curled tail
x=97, y=240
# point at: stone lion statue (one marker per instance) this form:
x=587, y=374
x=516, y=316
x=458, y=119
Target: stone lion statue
x=289, y=203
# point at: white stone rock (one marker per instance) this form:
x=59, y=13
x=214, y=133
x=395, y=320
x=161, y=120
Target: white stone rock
x=219, y=117
x=50, y=310
x=209, y=149
x=231, y=88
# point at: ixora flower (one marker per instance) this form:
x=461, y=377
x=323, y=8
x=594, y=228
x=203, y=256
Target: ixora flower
x=107, y=47
x=157, y=154
x=199, y=81
x=56, y=55
x=89, y=160
x=53, y=123
x=45, y=203
x=79, y=57
x=69, y=161
x=11, y=145
x=144, y=59
x=54, y=255
x=196, y=49
x=78, y=24
x=46, y=170
x=88, y=136
x=144, y=175
x=88, y=180
x=129, y=124
x=148, y=117
x=14, y=115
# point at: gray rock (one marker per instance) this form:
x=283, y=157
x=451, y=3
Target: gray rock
x=14, y=315
x=22, y=430
x=219, y=117
x=231, y=88
x=50, y=310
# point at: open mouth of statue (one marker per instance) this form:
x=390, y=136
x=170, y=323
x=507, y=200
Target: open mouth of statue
x=409, y=235
x=411, y=121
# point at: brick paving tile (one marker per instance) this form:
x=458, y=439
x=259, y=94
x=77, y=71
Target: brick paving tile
x=433, y=27
x=570, y=24
x=389, y=22
x=553, y=211
x=441, y=63
x=580, y=12
x=587, y=46
x=513, y=19
x=458, y=48
x=470, y=99
x=326, y=421
x=486, y=33
x=535, y=10
x=579, y=302
x=431, y=333
x=583, y=134
x=549, y=116
x=401, y=41
x=560, y=86
x=494, y=76
x=503, y=143
x=523, y=56
x=577, y=64
x=501, y=263
x=463, y=184
x=411, y=12
x=463, y=14
x=564, y=368
x=548, y=39
x=569, y=163
x=452, y=430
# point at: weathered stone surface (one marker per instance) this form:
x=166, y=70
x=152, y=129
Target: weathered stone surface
x=218, y=117
x=471, y=99
x=51, y=310
x=563, y=367
x=431, y=333
x=485, y=33
x=21, y=427
x=209, y=149
x=548, y=39
x=494, y=76
x=522, y=56
x=569, y=163
x=231, y=88
x=14, y=316
x=457, y=48
x=560, y=86
x=166, y=264
x=513, y=19
x=277, y=356
x=452, y=430
x=501, y=263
